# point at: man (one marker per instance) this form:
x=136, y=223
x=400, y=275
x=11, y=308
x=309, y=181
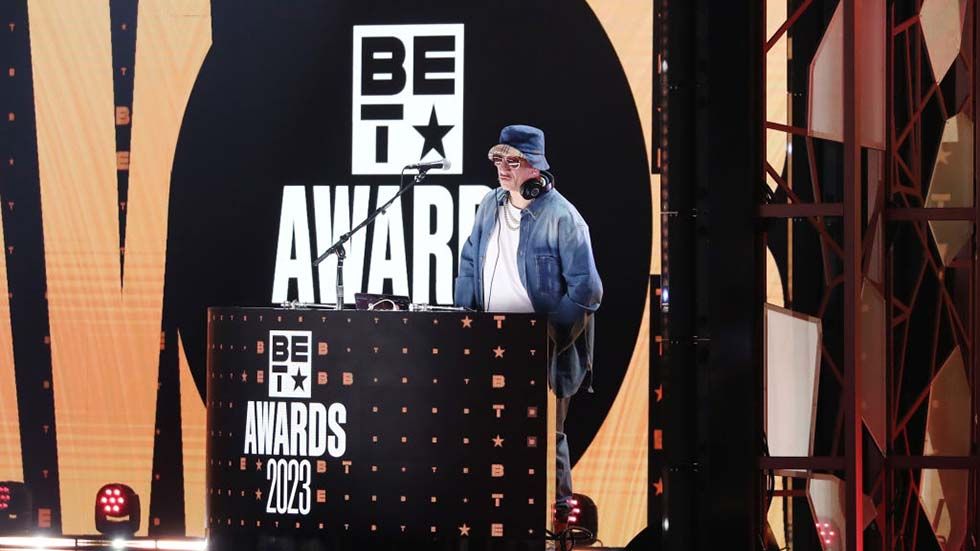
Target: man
x=530, y=252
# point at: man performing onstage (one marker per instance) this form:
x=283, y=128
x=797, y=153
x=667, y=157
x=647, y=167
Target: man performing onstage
x=529, y=251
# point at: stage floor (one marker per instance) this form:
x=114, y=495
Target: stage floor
x=91, y=543
x=96, y=543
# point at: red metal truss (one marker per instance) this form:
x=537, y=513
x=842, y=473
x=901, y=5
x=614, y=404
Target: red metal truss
x=931, y=302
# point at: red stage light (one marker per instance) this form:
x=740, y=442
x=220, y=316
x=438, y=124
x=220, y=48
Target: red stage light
x=117, y=510
x=828, y=535
x=583, y=520
x=16, y=508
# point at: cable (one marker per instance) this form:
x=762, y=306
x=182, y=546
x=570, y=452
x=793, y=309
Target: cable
x=493, y=274
x=570, y=536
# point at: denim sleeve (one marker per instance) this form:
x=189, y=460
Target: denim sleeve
x=464, y=294
x=584, y=288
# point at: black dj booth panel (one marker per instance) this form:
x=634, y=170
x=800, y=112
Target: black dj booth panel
x=340, y=429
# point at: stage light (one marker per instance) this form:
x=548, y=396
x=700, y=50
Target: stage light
x=16, y=509
x=183, y=545
x=829, y=535
x=117, y=510
x=37, y=542
x=584, y=514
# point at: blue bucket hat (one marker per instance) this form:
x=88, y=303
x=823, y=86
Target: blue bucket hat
x=520, y=140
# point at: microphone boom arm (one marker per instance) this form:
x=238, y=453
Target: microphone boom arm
x=338, y=247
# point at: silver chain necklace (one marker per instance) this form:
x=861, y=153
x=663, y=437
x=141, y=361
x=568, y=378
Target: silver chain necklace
x=512, y=222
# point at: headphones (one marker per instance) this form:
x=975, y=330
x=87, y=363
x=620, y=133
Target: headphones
x=536, y=187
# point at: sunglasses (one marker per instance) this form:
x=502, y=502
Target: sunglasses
x=513, y=162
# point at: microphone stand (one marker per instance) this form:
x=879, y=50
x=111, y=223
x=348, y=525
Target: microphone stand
x=338, y=247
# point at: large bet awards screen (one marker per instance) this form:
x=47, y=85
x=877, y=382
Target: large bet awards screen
x=160, y=158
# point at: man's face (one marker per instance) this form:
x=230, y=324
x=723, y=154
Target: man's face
x=513, y=171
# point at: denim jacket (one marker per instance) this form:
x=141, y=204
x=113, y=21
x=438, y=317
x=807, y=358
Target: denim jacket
x=556, y=267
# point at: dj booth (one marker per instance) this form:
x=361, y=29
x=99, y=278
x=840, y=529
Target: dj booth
x=344, y=429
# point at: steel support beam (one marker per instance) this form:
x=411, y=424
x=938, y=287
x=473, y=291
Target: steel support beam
x=801, y=210
x=973, y=499
x=853, y=237
x=930, y=213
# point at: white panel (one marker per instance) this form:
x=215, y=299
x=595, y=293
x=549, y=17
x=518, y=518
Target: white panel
x=873, y=362
x=792, y=368
x=825, y=116
x=943, y=493
x=942, y=28
x=826, y=495
x=951, y=185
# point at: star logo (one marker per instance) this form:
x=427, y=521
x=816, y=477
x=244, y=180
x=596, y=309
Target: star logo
x=658, y=486
x=464, y=530
x=286, y=366
x=258, y=464
x=467, y=322
x=258, y=495
x=298, y=379
x=498, y=442
x=389, y=113
x=499, y=352
x=433, y=134
x=244, y=376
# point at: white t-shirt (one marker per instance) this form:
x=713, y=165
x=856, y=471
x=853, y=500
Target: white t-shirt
x=502, y=287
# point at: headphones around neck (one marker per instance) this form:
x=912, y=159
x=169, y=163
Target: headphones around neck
x=536, y=187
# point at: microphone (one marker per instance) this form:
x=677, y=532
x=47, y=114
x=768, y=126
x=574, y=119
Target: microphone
x=442, y=164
